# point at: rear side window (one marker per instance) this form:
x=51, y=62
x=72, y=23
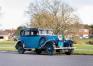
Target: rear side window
x=22, y=33
x=25, y=33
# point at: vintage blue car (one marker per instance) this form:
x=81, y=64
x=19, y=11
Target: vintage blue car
x=42, y=40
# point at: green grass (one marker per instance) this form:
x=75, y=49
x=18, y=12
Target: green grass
x=7, y=45
x=79, y=48
x=83, y=49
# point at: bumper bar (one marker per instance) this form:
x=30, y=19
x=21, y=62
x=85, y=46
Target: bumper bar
x=65, y=48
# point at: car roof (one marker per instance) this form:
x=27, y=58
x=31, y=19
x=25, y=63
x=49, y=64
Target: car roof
x=35, y=29
x=31, y=29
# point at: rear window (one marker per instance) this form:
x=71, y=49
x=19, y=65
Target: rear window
x=25, y=33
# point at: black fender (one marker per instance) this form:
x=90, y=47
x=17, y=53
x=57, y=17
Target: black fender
x=68, y=43
x=49, y=42
x=42, y=41
x=19, y=43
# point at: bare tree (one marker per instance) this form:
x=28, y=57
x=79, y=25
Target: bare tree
x=52, y=14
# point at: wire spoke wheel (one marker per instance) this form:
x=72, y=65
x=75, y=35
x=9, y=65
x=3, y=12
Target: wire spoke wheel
x=38, y=51
x=49, y=49
x=21, y=50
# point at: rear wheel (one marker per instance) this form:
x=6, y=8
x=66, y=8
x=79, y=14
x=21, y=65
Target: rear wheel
x=69, y=52
x=38, y=51
x=20, y=48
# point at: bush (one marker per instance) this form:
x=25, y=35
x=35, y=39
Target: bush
x=90, y=42
x=76, y=40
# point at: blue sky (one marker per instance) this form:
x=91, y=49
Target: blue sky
x=13, y=12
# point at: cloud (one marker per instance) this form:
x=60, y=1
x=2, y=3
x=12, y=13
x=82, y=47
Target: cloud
x=86, y=14
x=13, y=13
x=81, y=2
x=84, y=9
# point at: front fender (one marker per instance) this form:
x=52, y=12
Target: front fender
x=47, y=42
x=68, y=43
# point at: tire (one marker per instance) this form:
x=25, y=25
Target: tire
x=20, y=49
x=38, y=51
x=70, y=51
x=68, y=43
x=49, y=49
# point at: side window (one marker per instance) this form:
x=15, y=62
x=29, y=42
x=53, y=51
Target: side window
x=47, y=32
x=27, y=33
x=40, y=32
x=22, y=33
x=31, y=33
x=34, y=33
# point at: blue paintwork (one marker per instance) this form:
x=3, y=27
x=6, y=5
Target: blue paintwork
x=60, y=43
x=52, y=37
x=32, y=41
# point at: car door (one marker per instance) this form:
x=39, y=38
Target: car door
x=34, y=41
x=31, y=40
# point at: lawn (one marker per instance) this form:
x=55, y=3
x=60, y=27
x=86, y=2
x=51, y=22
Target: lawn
x=79, y=48
x=7, y=45
x=83, y=49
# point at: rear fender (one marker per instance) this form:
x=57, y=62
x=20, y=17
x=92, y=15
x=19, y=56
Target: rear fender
x=19, y=43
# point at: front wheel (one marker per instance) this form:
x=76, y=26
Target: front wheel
x=49, y=49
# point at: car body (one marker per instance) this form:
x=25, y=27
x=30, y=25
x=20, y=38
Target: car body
x=42, y=40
